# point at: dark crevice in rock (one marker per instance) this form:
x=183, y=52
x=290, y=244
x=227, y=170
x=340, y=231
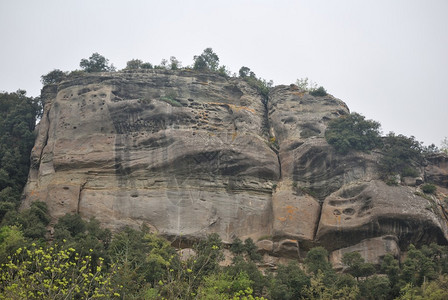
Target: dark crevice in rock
x=46, y=140
x=316, y=228
x=81, y=188
x=266, y=125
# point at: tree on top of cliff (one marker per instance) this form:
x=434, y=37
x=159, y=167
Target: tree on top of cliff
x=54, y=76
x=96, y=63
x=208, y=60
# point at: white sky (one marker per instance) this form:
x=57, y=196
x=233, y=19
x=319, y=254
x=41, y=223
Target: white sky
x=387, y=59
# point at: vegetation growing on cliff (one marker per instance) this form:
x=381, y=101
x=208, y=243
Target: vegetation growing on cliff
x=400, y=155
x=353, y=131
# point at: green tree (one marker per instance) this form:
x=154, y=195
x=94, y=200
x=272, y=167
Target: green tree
x=320, y=289
x=400, y=155
x=11, y=238
x=18, y=114
x=96, y=63
x=175, y=64
x=54, y=273
x=244, y=72
x=357, y=265
x=391, y=268
x=208, y=60
x=375, y=288
x=134, y=64
x=237, y=246
x=417, y=268
x=223, y=286
x=251, y=250
x=317, y=259
x=250, y=268
x=82, y=235
x=353, y=131
x=289, y=282
x=53, y=77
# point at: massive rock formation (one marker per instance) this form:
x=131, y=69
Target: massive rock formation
x=191, y=153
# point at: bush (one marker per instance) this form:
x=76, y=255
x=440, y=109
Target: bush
x=319, y=92
x=429, y=188
x=353, y=131
x=400, y=155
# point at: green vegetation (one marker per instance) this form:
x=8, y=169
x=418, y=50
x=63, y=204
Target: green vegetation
x=96, y=63
x=85, y=261
x=171, y=101
x=208, y=60
x=444, y=145
x=18, y=114
x=400, y=155
x=306, y=85
x=319, y=92
x=261, y=85
x=55, y=273
x=429, y=188
x=53, y=77
x=353, y=131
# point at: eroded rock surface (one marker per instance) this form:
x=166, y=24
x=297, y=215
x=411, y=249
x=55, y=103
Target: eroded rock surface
x=192, y=153
x=371, y=250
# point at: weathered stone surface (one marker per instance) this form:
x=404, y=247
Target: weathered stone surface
x=372, y=250
x=437, y=170
x=370, y=209
x=265, y=246
x=183, y=152
x=287, y=248
x=296, y=214
x=190, y=153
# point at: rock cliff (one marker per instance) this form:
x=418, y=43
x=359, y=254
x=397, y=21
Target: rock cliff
x=191, y=153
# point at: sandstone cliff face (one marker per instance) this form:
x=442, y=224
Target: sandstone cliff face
x=190, y=154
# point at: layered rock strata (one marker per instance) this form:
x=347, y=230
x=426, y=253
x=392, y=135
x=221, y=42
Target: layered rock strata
x=191, y=153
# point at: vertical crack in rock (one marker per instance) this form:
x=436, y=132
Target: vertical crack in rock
x=316, y=228
x=81, y=188
x=266, y=125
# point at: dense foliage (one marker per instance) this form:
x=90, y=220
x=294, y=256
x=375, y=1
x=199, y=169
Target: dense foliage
x=353, y=131
x=84, y=261
x=18, y=115
x=401, y=155
x=96, y=63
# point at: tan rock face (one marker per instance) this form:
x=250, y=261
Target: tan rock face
x=368, y=209
x=190, y=154
x=372, y=250
x=184, y=153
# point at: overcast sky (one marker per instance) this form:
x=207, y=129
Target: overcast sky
x=387, y=59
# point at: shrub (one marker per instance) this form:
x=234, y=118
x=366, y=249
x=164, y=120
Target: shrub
x=353, y=131
x=134, y=64
x=429, y=188
x=319, y=92
x=400, y=154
